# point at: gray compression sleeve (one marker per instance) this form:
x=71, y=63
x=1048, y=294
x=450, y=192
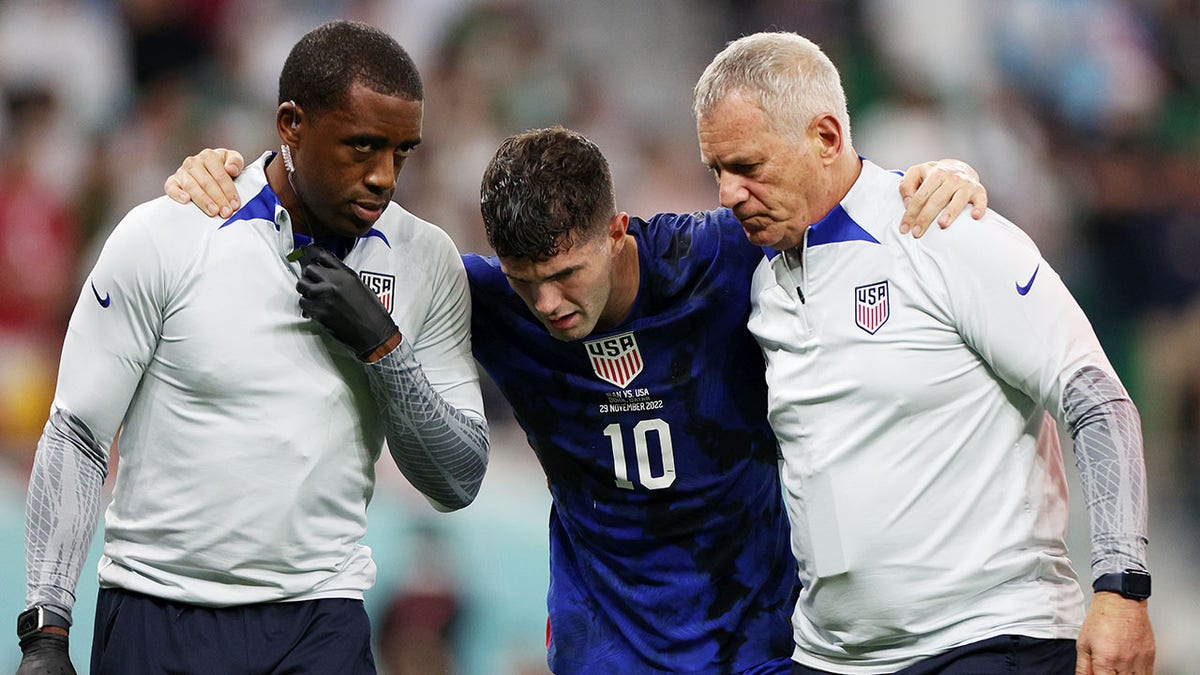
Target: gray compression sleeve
x=1107, y=433
x=62, y=509
x=442, y=451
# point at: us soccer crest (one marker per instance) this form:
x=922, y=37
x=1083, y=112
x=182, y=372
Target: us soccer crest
x=615, y=359
x=871, y=307
x=382, y=285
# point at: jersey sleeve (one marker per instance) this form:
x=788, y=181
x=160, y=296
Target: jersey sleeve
x=110, y=340
x=1011, y=307
x=114, y=328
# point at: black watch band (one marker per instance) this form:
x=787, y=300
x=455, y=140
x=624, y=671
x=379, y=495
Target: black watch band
x=32, y=620
x=1132, y=584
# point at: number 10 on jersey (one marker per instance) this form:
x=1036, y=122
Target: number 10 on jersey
x=641, y=449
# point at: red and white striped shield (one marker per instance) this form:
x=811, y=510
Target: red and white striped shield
x=382, y=285
x=871, y=308
x=615, y=359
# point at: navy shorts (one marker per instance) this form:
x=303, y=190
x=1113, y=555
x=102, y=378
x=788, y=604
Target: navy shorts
x=1003, y=655
x=137, y=634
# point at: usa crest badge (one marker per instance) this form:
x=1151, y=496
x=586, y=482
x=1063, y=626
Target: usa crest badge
x=615, y=359
x=871, y=307
x=382, y=285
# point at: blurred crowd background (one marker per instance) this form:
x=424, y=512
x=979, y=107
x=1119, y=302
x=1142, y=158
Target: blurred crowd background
x=1082, y=116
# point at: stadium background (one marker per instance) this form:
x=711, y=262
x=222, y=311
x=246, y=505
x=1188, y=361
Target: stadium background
x=1083, y=117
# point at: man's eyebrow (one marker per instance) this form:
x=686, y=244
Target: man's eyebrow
x=732, y=160
x=554, y=275
x=381, y=141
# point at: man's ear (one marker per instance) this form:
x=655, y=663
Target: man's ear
x=616, y=229
x=288, y=118
x=826, y=132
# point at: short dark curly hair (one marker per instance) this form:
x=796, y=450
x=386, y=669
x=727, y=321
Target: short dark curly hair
x=543, y=191
x=332, y=57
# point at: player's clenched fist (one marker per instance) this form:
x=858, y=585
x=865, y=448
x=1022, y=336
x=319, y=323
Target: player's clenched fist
x=332, y=293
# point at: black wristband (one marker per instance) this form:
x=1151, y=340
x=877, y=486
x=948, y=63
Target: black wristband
x=1132, y=584
x=33, y=619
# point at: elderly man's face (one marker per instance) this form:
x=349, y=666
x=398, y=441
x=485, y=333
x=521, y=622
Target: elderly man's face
x=774, y=184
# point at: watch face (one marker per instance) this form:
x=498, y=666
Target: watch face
x=1137, y=584
x=27, y=622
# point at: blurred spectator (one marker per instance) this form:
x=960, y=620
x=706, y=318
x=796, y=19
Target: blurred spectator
x=1089, y=64
x=921, y=53
x=77, y=46
x=419, y=631
x=166, y=38
x=38, y=248
x=37, y=226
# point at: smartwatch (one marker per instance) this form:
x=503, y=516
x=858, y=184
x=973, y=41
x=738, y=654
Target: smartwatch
x=1132, y=584
x=32, y=620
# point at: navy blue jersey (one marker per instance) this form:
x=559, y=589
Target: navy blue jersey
x=668, y=539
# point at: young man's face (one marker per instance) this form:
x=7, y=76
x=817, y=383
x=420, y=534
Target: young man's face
x=571, y=292
x=347, y=159
x=772, y=183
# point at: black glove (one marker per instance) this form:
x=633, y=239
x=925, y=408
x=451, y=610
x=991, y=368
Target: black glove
x=45, y=654
x=333, y=294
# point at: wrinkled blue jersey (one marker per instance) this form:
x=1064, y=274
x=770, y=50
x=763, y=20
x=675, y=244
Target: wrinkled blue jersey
x=668, y=539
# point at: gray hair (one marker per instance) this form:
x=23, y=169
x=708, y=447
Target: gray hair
x=787, y=75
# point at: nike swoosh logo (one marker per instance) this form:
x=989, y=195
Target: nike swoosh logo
x=1025, y=289
x=105, y=301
